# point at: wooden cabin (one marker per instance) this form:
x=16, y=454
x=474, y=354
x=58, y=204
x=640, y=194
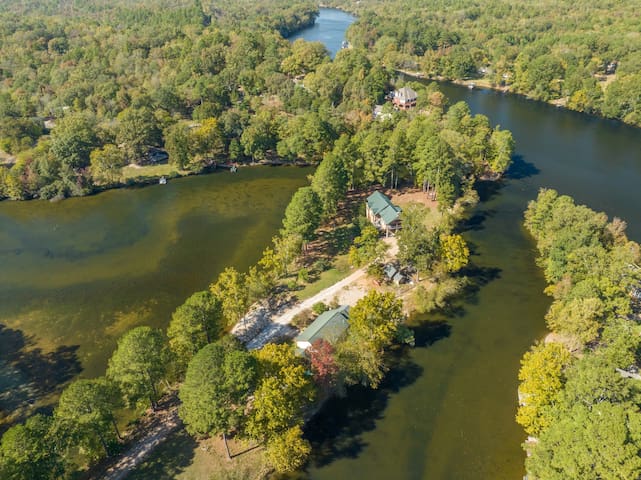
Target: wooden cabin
x=383, y=214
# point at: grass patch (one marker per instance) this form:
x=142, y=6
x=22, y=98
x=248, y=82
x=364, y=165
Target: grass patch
x=433, y=218
x=148, y=172
x=181, y=457
x=339, y=270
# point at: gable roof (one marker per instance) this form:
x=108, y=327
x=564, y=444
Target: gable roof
x=329, y=326
x=382, y=206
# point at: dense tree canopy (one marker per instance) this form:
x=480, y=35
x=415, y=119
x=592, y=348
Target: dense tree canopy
x=29, y=451
x=86, y=411
x=582, y=54
x=219, y=380
x=584, y=412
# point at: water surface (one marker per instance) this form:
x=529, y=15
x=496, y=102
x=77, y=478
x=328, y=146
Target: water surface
x=447, y=410
x=77, y=274
x=329, y=28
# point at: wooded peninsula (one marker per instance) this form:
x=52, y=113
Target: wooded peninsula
x=94, y=94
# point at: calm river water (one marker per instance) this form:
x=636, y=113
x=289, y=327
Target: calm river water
x=329, y=28
x=76, y=274
x=447, y=411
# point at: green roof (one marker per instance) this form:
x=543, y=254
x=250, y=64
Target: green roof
x=329, y=326
x=382, y=206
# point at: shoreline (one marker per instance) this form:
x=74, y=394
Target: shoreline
x=155, y=179
x=485, y=85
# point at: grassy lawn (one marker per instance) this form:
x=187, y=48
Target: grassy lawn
x=340, y=269
x=181, y=457
x=150, y=171
x=433, y=218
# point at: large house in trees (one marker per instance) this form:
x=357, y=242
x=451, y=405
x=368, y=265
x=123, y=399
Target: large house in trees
x=329, y=326
x=383, y=214
x=404, y=98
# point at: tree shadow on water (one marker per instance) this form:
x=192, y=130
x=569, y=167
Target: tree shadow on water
x=476, y=221
x=335, y=432
x=427, y=333
x=520, y=169
x=477, y=278
x=28, y=375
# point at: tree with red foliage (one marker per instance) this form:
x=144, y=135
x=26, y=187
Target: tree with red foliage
x=324, y=368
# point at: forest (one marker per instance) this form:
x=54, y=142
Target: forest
x=87, y=94
x=581, y=54
x=580, y=389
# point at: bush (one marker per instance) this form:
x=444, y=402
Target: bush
x=437, y=297
x=303, y=275
x=319, y=308
x=321, y=265
x=303, y=319
x=375, y=270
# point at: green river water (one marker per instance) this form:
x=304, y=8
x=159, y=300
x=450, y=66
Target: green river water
x=77, y=274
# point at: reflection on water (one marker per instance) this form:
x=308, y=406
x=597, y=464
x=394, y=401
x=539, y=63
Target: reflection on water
x=456, y=420
x=77, y=274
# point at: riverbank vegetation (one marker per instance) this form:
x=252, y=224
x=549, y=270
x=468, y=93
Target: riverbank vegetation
x=579, y=393
x=204, y=88
x=581, y=54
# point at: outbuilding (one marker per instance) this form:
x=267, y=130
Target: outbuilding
x=329, y=326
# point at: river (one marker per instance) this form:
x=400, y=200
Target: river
x=77, y=274
x=446, y=411
x=329, y=28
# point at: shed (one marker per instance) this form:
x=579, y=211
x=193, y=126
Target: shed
x=329, y=326
x=393, y=274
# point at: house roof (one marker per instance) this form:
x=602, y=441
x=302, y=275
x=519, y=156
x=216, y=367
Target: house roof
x=405, y=94
x=329, y=326
x=382, y=206
x=390, y=270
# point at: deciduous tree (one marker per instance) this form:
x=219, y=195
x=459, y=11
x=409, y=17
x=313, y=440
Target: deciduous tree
x=542, y=377
x=230, y=289
x=193, y=325
x=288, y=451
x=138, y=364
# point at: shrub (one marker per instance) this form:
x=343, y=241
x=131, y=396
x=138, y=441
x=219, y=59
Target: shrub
x=303, y=319
x=319, y=308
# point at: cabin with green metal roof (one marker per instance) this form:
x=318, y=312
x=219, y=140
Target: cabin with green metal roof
x=383, y=213
x=329, y=326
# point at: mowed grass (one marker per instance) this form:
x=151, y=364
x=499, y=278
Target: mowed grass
x=181, y=457
x=339, y=270
x=147, y=172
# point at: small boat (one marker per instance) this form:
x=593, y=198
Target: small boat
x=162, y=181
x=471, y=86
x=233, y=169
